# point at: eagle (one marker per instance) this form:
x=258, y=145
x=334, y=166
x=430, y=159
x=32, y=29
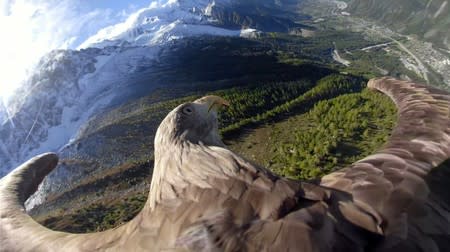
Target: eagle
x=204, y=197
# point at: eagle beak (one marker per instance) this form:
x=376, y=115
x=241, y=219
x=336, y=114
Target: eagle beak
x=213, y=102
x=217, y=102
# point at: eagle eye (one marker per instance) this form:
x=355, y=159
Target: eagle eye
x=187, y=110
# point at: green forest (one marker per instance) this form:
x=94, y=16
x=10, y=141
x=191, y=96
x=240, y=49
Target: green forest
x=339, y=131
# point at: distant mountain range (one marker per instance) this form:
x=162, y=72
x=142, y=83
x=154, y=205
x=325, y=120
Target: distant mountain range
x=428, y=19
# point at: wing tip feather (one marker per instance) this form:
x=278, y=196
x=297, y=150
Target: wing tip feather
x=25, y=179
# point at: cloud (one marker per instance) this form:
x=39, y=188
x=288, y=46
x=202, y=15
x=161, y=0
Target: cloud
x=32, y=28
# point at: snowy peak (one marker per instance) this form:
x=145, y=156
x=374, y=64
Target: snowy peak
x=161, y=22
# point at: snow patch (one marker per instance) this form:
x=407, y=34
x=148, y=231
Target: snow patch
x=249, y=33
x=440, y=10
x=376, y=46
x=209, y=8
x=341, y=5
x=339, y=59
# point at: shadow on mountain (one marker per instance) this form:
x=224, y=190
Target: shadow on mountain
x=211, y=63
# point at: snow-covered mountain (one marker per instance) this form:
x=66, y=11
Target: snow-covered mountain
x=162, y=22
x=70, y=86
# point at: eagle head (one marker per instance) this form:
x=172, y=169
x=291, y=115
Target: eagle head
x=195, y=122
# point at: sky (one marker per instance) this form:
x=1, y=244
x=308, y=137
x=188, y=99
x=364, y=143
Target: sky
x=31, y=28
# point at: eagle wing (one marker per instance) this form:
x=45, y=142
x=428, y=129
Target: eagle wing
x=382, y=202
x=396, y=180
